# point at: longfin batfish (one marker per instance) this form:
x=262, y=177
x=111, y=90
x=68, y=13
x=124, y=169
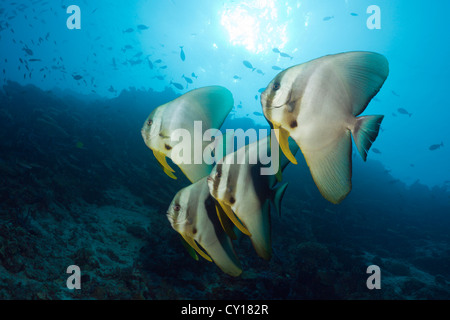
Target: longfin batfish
x=192, y=214
x=245, y=194
x=316, y=103
x=210, y=105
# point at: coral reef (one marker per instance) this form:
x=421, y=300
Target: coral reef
x=80, y=187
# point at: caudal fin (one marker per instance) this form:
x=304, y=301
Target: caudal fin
x=365, y=132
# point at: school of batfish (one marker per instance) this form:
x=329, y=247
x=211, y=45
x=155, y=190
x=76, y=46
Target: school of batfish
x=316, y=104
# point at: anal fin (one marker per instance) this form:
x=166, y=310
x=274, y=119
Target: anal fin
x=331, y=169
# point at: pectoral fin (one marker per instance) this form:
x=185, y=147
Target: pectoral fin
x=194, y=245
x=229, y=212
x=282, y=136
x=163, y=162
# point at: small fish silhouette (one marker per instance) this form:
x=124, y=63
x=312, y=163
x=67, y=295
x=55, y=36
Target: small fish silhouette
x=142, y=27
x=436, y=146
x=177, y=85
x=376, y=150
x=188, y=80
x=28, y=51
x=248, y=65
x=404, y=111
x=182, y=55
x=285, y=55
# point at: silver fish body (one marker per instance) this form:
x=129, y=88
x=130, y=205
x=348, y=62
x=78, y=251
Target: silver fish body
x=207, y=106
x=317, y=104
x=241, y=189
x=192, y=214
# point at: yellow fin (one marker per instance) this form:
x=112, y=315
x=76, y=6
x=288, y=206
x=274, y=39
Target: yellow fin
x=282, y=136
x=163, y=162
x=227, y=209
x=225, y=223
x=194, y=245
x=170, y=174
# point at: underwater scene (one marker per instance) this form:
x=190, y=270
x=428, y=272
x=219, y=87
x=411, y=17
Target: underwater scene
x=224, y=150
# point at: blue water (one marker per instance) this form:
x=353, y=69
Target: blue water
x=127, y=56
x=412, y=43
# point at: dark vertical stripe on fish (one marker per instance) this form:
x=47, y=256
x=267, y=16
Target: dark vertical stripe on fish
x=271, y=95
x=232, y=179
x=295, y=101
x=217, y=180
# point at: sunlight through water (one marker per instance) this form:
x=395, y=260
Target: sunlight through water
x=254, y=25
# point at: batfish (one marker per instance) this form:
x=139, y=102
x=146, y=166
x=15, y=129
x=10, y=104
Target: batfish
x=316, y=103
x=245, y=194
x=209, y=105
x=192, y=214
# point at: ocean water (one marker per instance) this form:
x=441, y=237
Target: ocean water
x=78, y=185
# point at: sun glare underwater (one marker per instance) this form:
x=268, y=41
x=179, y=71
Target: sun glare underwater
x=93, y=92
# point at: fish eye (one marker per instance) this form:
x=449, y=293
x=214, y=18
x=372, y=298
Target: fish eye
x=177, y=207
x=276, y=86
x=150, y=122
